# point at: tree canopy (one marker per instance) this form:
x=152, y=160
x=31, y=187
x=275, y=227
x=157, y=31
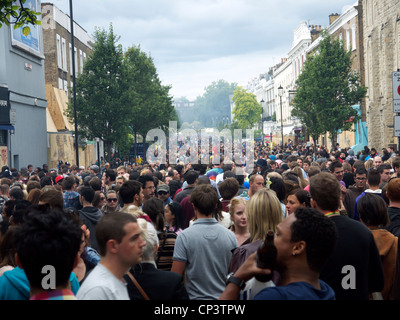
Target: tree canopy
x=327, y=89
x=247, y=110
x=214, y=104
x=119, y=94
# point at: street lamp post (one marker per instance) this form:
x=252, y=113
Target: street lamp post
x=280, y=93
x=73, y=81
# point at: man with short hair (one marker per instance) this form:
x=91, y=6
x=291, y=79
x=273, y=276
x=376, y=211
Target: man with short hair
x=374, y=180
x=120, y=246
x=396, y=167
x=121, y=171
x=95, y=170
x=256, y=182
x=392, y=154
x=356, y=257
x=71, y=197
x=393, y=193
x=131, y=193
x=44, y=238
x=384, y=171
x=336, y=168
x=89, y=214
x=147, y=182
x=108, y=179
x=304, y=241
x=205, y=246
x=191, y=177
x=38, y=248
x=355, y=190
x=377, y=161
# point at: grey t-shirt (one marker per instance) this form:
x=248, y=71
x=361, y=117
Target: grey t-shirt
x=101, y=284
x=206, y=247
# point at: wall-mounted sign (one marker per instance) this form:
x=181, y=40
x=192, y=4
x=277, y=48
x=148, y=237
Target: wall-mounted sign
x=4, y=106
x=30, y=42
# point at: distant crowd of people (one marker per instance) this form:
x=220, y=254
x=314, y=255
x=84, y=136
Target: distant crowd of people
x=185, y=231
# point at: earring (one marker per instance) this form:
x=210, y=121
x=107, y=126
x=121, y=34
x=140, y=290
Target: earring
x=293, y=253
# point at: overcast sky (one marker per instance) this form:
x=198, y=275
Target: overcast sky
x=196, y=42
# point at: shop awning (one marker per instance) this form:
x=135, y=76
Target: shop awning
x=6, y=127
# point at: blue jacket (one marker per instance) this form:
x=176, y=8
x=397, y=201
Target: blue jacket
x=14, y=285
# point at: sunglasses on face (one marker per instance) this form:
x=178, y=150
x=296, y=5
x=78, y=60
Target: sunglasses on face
x=162, y=193
x=112, y=200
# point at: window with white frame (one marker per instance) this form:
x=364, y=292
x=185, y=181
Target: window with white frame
x=64, y=54
x=60, y=84
x=353, y=37
x=80, y=61
x=70, y=59
x=76, y=60
x=348, y=39
x=59, y=55
x=66, y=87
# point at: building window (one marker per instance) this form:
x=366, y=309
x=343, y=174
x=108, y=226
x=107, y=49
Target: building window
x=64, y=54
x=80, y=61
x=348, y=39
x=66, y=87
x=76, y=60
x=60, y=84
x=353, y=37
x=70, y=59
x=59, y=56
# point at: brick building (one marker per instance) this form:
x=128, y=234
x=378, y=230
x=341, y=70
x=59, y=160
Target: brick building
x=381, y=37
x=58, y=76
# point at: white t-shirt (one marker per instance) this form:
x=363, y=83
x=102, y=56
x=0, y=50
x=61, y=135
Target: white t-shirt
x=101, y=284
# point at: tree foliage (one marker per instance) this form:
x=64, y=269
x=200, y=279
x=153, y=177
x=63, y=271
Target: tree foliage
x=101, y=110
x=247, y=110
x=19, y=15
x=214, y=104
x=149, y=103
x=119, y=94
x=327, y=89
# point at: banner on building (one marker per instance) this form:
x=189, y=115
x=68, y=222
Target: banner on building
x=3, y=156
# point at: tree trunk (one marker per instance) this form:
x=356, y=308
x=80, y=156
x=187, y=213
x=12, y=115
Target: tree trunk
x=135, y=137
x=314, y=147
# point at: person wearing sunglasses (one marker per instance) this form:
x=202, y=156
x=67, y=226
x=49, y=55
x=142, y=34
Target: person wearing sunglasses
x=163, y=193
x=112, y=203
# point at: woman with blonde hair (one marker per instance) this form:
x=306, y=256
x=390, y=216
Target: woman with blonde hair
x=239, y=225
x=263, y=212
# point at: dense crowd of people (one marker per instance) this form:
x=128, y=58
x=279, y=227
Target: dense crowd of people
x=190, y=231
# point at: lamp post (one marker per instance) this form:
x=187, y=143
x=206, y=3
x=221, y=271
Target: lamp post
x=73, y=81
x=262, y=114
x=280, y=93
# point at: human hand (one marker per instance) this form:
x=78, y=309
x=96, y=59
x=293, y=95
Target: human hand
x=249, y=269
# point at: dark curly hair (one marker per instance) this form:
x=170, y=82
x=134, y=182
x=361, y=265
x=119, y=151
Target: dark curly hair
x=319, y=233
x=48, y=238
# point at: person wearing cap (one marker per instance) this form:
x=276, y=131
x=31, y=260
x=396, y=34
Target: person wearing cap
x=5, y=173
x=163, y=193
x=261, y=165
x=59, y=179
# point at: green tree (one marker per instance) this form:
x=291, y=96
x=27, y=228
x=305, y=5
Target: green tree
x=214, y=104
x=101, y=110
x=247, y=110
x=12, y=13
x=147, y=99
x=326, y=90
